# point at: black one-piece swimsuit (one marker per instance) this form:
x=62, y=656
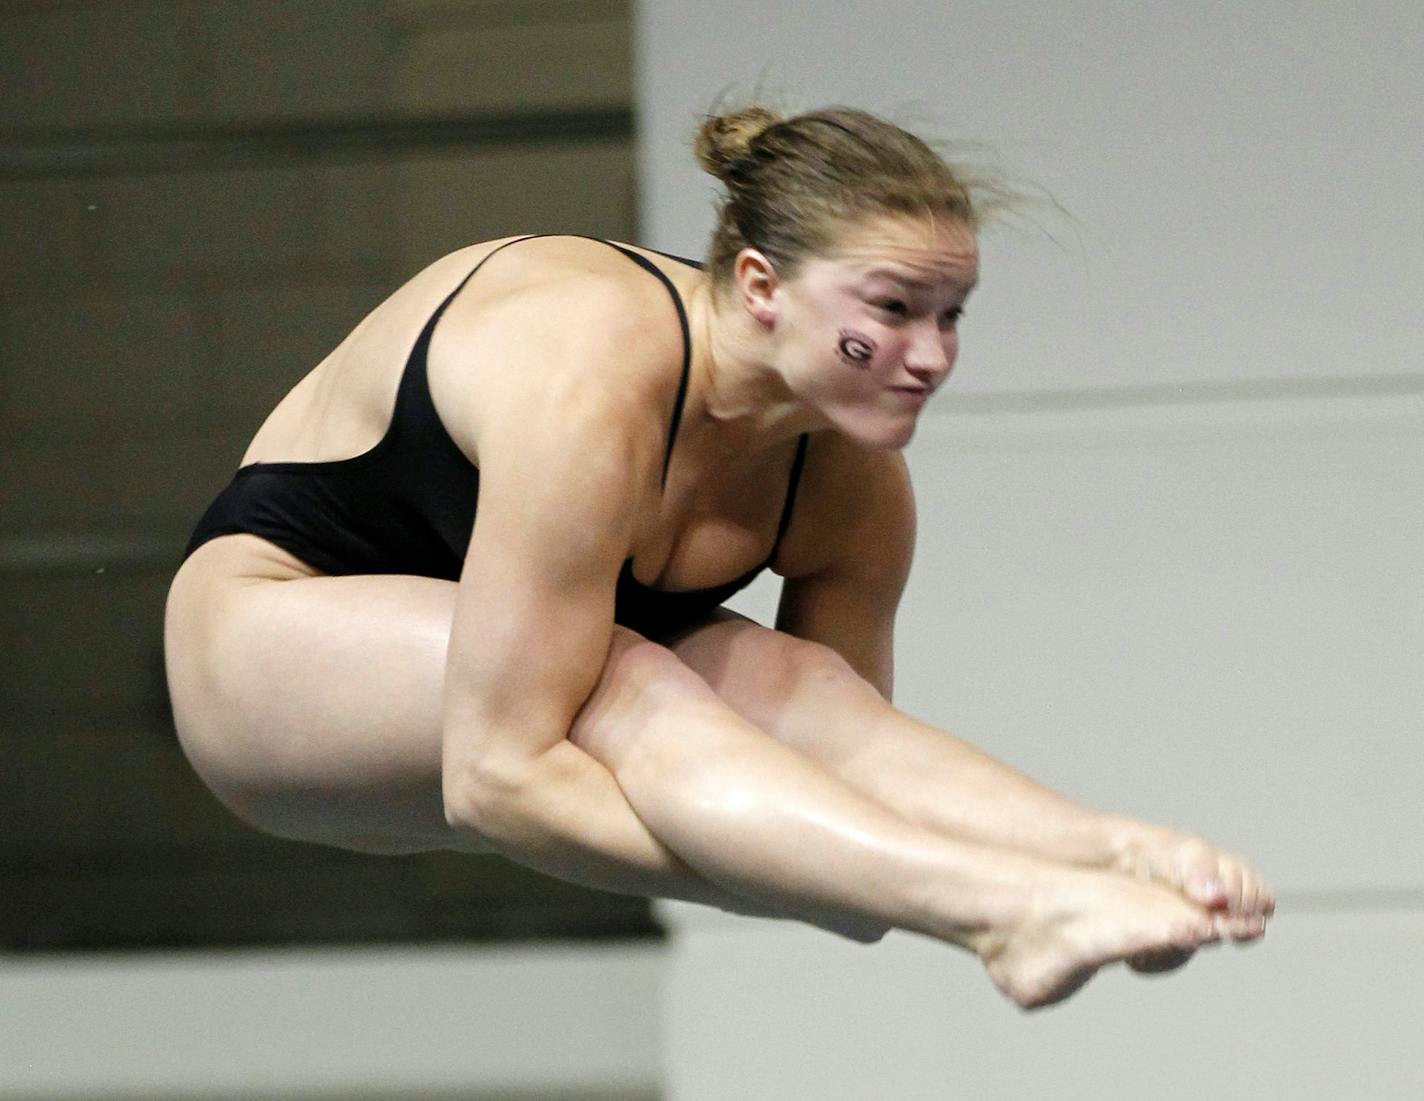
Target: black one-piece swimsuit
x=407, y=506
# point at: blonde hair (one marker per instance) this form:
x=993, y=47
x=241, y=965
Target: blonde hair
x=792, y=183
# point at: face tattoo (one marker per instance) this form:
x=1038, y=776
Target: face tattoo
x=855, y=349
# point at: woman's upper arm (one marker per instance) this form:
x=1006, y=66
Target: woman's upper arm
x=845, y=595
x=564, y=458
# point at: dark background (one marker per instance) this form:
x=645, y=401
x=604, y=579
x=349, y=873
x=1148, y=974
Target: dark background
x=198, y=199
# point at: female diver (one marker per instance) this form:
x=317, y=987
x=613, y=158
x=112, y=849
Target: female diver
x=360, y=656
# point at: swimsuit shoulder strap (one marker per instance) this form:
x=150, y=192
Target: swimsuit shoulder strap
x=414, y=377
x=790, y=494
x=413, y=398
x=647, y=265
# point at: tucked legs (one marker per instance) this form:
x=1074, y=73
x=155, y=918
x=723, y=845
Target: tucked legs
x=333, y=735
x=804, y=695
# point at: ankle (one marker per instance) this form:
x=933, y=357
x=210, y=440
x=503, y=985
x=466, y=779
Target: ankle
x=1125, y=844
x=1002, y=893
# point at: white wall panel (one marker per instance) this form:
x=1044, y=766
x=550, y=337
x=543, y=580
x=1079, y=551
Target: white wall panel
x=1170, y=532
x=1208, y=615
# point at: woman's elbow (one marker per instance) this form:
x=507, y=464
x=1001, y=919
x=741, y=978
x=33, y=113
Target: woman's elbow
x=481, y=798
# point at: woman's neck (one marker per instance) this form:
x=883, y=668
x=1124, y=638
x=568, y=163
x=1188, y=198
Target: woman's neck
x=738, y=404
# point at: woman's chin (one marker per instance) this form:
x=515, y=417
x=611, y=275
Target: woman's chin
x=879, y=433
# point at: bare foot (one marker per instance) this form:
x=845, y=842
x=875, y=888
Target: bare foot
x=1218, y=880
x=1078, y=922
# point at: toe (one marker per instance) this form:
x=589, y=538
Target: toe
x=1208, y=890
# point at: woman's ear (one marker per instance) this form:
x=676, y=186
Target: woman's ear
x=757, y=283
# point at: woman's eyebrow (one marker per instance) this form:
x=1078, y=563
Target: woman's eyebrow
x=899, y=277
x=914, y=282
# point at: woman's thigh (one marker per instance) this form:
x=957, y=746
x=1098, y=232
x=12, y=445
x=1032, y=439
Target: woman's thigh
x=311, y=706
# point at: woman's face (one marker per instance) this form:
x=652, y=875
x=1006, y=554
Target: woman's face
x=868, y=332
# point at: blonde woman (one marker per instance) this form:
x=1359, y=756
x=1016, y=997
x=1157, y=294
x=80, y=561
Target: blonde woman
x=465, y=590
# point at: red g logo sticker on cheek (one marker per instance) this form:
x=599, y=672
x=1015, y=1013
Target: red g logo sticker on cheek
x=855, y=348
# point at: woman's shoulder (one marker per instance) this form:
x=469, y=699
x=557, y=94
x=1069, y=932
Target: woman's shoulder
x=564, y=323
x=580, y=292
x=551, y=262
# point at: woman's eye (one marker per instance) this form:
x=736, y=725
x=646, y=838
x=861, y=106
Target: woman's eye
x=891, y=306
x=952, y=317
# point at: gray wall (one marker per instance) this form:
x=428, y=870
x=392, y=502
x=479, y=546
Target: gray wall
x=1170, y=527
x=197, y=201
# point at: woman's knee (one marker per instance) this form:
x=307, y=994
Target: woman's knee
x=639, y=670
x=814, y=664
x=641, y=681
x=744, y=661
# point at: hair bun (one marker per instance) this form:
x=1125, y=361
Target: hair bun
x=723, y=140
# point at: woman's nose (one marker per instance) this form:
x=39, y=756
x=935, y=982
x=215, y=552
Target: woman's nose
x=930, y=356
